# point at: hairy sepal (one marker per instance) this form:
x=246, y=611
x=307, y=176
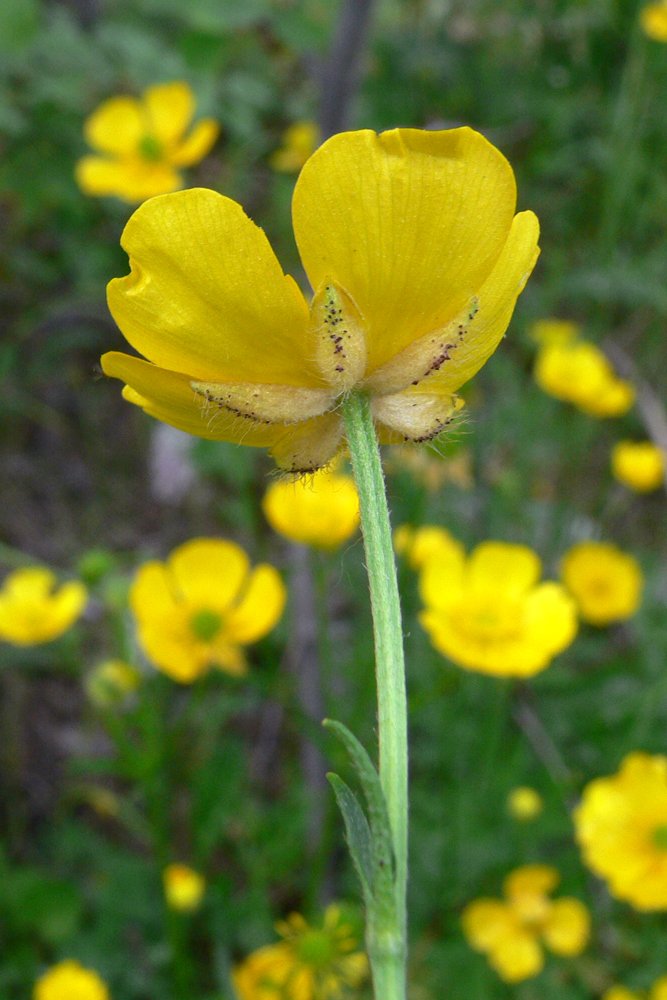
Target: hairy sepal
x=264, y=404
x=338, y=333
x=416, y=416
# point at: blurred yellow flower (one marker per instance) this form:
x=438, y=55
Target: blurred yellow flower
x=659, y=989
x=322, y=510
x=143, y=143
x=620, y=993
x=489, y=613
x=554, y=331
x=410, y=241
x=299, y=142
x=33, y=611
x=577, y=371
x=605, y=582
x=111, y=683
x=184, y=888
x=310, y=963
x=202, y=606
x=511, y=932
x=419, y=545
x=638, y=464
x=657, y=992
x=653, y=19
x=524, y=803
x=621, y=827
x=70, y=981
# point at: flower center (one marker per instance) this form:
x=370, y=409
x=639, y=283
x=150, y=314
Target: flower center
x=205, y=624
x=315, y=948
x=150, y=149
x=660, y=837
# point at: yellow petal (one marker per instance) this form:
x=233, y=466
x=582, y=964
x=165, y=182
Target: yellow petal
x=409, y=223
x=209, y=572
x=169, y=397
x=169, y=646
x=531, y=879
x=485, y=921
x=197, y=144
x=151, y=594
x=207, y=297
x=116, y=127
x=169, y=108
x=228, y=658
x=259, y=609
x=517, y=957
x=133, y=179
x=550, y=618
x=659, y=988
x=567, y=929
x=441, y=578
x=501, y=566
x=653, y=19
x=32, y=611
x=321, y=510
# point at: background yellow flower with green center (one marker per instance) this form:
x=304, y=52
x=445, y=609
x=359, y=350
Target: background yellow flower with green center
x=411, y=244
x=605, y=582
x=70, y=981
x=489, y=613
x=321, y=510
x=512, y=932
x=639, y=465
x=33, y=609
x=310, y=963
x=143, y=143
x=299, y=142
x=621, y=827
x=577, y=372
x=184, y=888
x=653, y=19
x=202, y=606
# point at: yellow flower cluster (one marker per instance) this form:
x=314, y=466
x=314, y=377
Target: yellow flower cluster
x=322, y=510
x=299, y=142
x=70, y=981
x=638, y=464
x=653, y=19
x=621, y=827
x=576, y=371
x=143, y=143
x=658, y=990
x=489, y=612
x=605, y=582
x=512, y=932
x=184, y=888
x=524, y=803
x=310, y=963
x=202, y=606
x=33, y=611
x=412, y=246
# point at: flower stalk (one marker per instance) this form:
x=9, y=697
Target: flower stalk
x=387, y=944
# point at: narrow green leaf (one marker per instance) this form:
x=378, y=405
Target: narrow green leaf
x=358, y=834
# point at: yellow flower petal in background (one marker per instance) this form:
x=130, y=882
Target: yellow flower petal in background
x=638, y=464
x=272, y=973
x=116, y=127
x=70, y=981
x=209, y=572
x=322, y=511
x=299, y=142
x=567, y=928
x=259, y=608
x=197, y=144
x=168, y=109
x=485, y=922
x=554, y=331
x=514, y=569
x=605, y=582
x=653, y=19
x=33, y=610
x=578, y=372
x=524, y=803
x=535, y=880
x=129, y=178
x=517, y=957
x=659, y=989
x=420, y=545
x=184, y=888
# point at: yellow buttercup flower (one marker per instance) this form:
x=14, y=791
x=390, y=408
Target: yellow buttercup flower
x=512, y=932
x=202, y=606
x=322, y=511
x=621, y=827
x=577, y=371
x=605, y=582
x=410, y=241
x=524, y=803
x=70, y=981
x=639, y=465
x=33, y=610
x=143, y=143
x=299, y=142
x=111, y=683
x=419, y=545
x=489, y=613
x=184, y=888
x=653, y=19
x=310, y=963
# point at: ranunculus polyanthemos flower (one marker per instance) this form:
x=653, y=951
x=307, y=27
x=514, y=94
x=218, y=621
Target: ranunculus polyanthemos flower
x=410, y=241
x=658, y=990
x=184, y=888
x=621, y=827
x=489, y=613
x=638, y=464
x=143, y=143
x=524, y=803
x=299, y=142
x=322, y=510
x=653, y=19
x=310, y=963
x=34, y=610
x=577, y=371
x=511, y=932
x=202, y=606
x=70, y=981
x=605, y=582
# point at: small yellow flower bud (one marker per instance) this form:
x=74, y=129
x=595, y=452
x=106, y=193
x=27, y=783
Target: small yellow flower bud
x=111, y=683
x=524, y=803
x=638, y=464
x=183, y=888
x=70, y=981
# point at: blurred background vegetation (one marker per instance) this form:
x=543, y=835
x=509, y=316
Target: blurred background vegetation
x=226, y=775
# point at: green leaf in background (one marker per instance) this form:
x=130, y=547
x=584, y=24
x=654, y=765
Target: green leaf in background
x=19, y=21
